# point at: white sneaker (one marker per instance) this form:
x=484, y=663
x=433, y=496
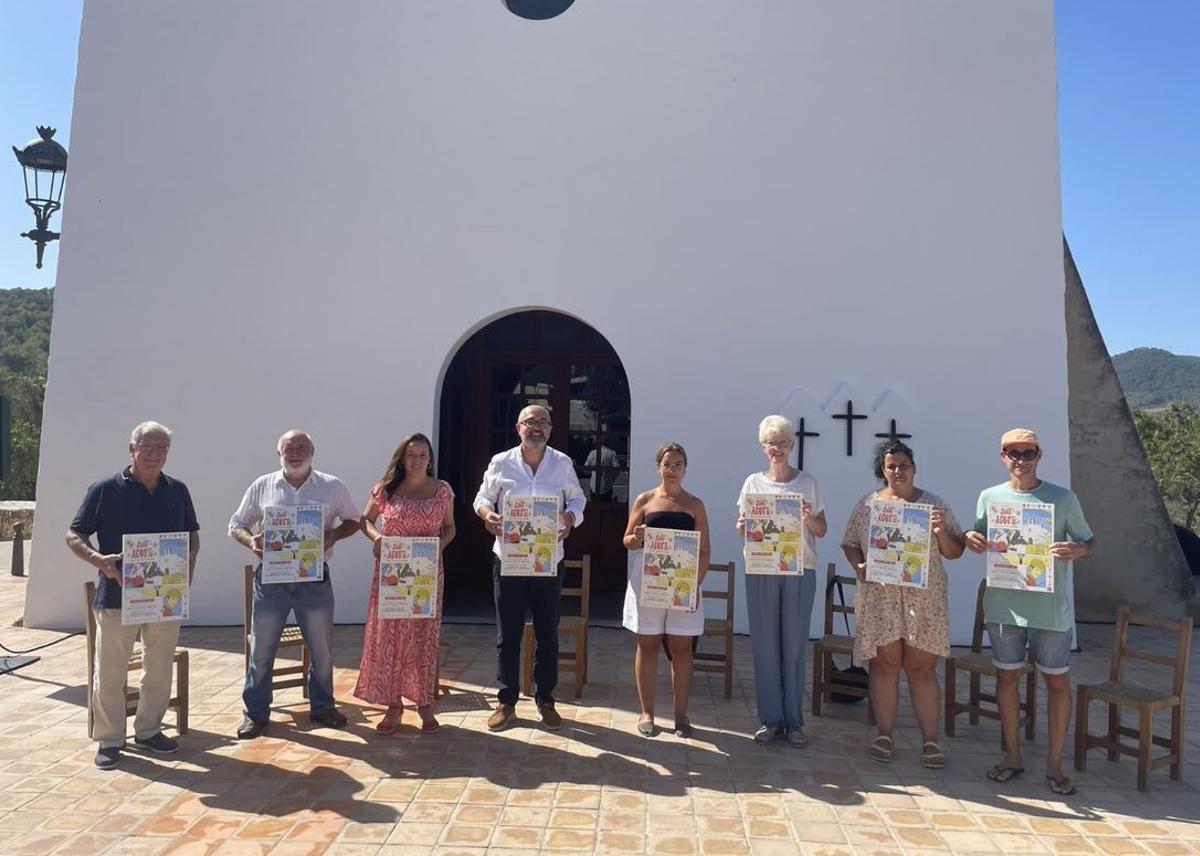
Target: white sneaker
x=768, y=734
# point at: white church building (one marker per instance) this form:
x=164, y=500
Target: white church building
x=665, y=219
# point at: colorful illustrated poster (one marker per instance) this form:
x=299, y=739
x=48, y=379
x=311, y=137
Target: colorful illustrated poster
x=154, y=577
x=293, y=544
x=774, y=533
x=899, y=539
x=671, y=570
x=1019, y=538
x=408, y=577
x=529, y=536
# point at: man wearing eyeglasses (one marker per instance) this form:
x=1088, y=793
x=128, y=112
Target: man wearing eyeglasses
x=139, y=500
x=530, y=469
x=1040, y=622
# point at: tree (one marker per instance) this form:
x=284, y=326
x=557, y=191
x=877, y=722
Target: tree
x=1171, y=438
x=26, y=395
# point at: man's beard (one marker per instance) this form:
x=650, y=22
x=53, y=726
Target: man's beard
x=535, y=442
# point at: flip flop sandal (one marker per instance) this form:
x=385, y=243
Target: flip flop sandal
x=389, y=722
x=1061, y=785
x=1003, y=773
x=932, y=756
x=881, y=749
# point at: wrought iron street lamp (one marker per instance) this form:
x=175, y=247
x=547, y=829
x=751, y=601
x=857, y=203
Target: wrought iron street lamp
x=44, y=162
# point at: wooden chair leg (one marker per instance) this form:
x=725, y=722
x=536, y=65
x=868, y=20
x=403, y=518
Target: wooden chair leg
x=973, y=698
x=1114, y=739
x=729, y=663
x=584, y=636
x=1031, y=705
x=818, y=677
x=1177, y=742
x=306, y=662
x=1145, y=746
x=182, y=678
x=579, y=660
x=1081, y=725
x=527, y=660
x=951, y=675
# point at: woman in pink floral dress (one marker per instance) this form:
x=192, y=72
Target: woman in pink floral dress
x=400, y=656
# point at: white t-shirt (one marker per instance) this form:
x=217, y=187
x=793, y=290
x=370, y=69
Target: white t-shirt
x=803, y=484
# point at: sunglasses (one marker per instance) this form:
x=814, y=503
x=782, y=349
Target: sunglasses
x=1018, y=456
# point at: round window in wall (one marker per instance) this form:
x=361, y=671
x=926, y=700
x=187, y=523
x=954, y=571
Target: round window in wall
x=538, y=10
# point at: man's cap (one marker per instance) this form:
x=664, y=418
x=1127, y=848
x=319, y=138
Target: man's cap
x=1019, y=435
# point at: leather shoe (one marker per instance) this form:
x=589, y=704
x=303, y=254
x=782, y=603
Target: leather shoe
x=501, y=717
x=251, y=728
x=331, y=718
x=551, y=721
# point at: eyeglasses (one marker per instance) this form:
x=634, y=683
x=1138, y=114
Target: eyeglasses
x=156, y=448
x=1018, y=456
x=535, y=423
x=674, y=467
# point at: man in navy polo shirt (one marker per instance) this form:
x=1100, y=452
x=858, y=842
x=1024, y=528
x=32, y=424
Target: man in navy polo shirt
x=141, y=499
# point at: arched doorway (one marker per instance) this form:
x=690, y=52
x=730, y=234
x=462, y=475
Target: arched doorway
x=537, y=357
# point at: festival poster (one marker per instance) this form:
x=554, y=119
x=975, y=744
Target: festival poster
x=529, y=536
x=1019, y=537
x=293, y=544
x=774, y=533
x=408, y=576
x=898, y=543
x=671, y=570
x=154, y=577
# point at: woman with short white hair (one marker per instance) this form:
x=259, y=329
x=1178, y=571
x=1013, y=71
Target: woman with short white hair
x=780, y=606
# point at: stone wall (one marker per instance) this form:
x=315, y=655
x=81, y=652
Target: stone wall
x=15, y=512
x=1138, y=560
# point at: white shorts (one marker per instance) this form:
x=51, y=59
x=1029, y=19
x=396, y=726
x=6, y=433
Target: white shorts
x=654, y=621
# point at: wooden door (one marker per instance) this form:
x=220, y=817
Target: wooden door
x=559, y=362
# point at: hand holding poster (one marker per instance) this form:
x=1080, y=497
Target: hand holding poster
x=671, y=570
x=154, y=577
x=1019, y=537
x=529, y=536
x=293, y=544
x=774, y=533
x=899, y=539
x=408, y=577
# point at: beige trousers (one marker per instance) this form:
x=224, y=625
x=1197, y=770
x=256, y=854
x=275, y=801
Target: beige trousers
x=114, y=645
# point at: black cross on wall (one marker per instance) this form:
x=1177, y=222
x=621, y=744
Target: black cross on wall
x=849, y=416
x=800, y=435
x=893, y=434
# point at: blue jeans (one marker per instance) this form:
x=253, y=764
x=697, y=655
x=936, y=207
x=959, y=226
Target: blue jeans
x=542, y=598
x=1051, y=648
x=313, y=604
x=780, y=610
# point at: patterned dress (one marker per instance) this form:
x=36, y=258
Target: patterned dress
x=883, y=613
x=400, y=656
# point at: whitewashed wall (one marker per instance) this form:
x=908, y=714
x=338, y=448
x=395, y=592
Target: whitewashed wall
x=763, y=205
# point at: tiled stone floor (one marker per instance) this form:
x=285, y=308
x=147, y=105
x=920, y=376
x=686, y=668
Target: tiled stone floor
x=596, y=786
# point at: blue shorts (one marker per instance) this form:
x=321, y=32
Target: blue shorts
x=1051, y=649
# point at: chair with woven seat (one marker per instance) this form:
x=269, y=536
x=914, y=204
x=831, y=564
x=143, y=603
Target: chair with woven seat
x=178, y=702
x=978, y=665
x=719, y=628
x=831, y=643
x=574, y=660
x=292, y=637
x=1118, y=692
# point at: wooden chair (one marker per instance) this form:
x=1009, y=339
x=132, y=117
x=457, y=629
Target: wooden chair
x=1119, y=693
x=834, y=643
x=979, y=664
x=575, y=660
x=291, y=637
x=178, y=702
x=720, y=628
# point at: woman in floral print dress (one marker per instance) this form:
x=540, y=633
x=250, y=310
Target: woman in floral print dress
x=400, y=656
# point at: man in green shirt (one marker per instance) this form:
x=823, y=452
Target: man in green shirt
x=1041, y=622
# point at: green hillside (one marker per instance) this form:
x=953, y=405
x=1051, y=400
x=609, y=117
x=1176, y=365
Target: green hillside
x=1153, y=378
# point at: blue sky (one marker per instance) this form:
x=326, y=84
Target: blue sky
x=1129, y=107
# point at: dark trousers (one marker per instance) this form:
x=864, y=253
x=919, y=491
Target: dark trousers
x=514, y=596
